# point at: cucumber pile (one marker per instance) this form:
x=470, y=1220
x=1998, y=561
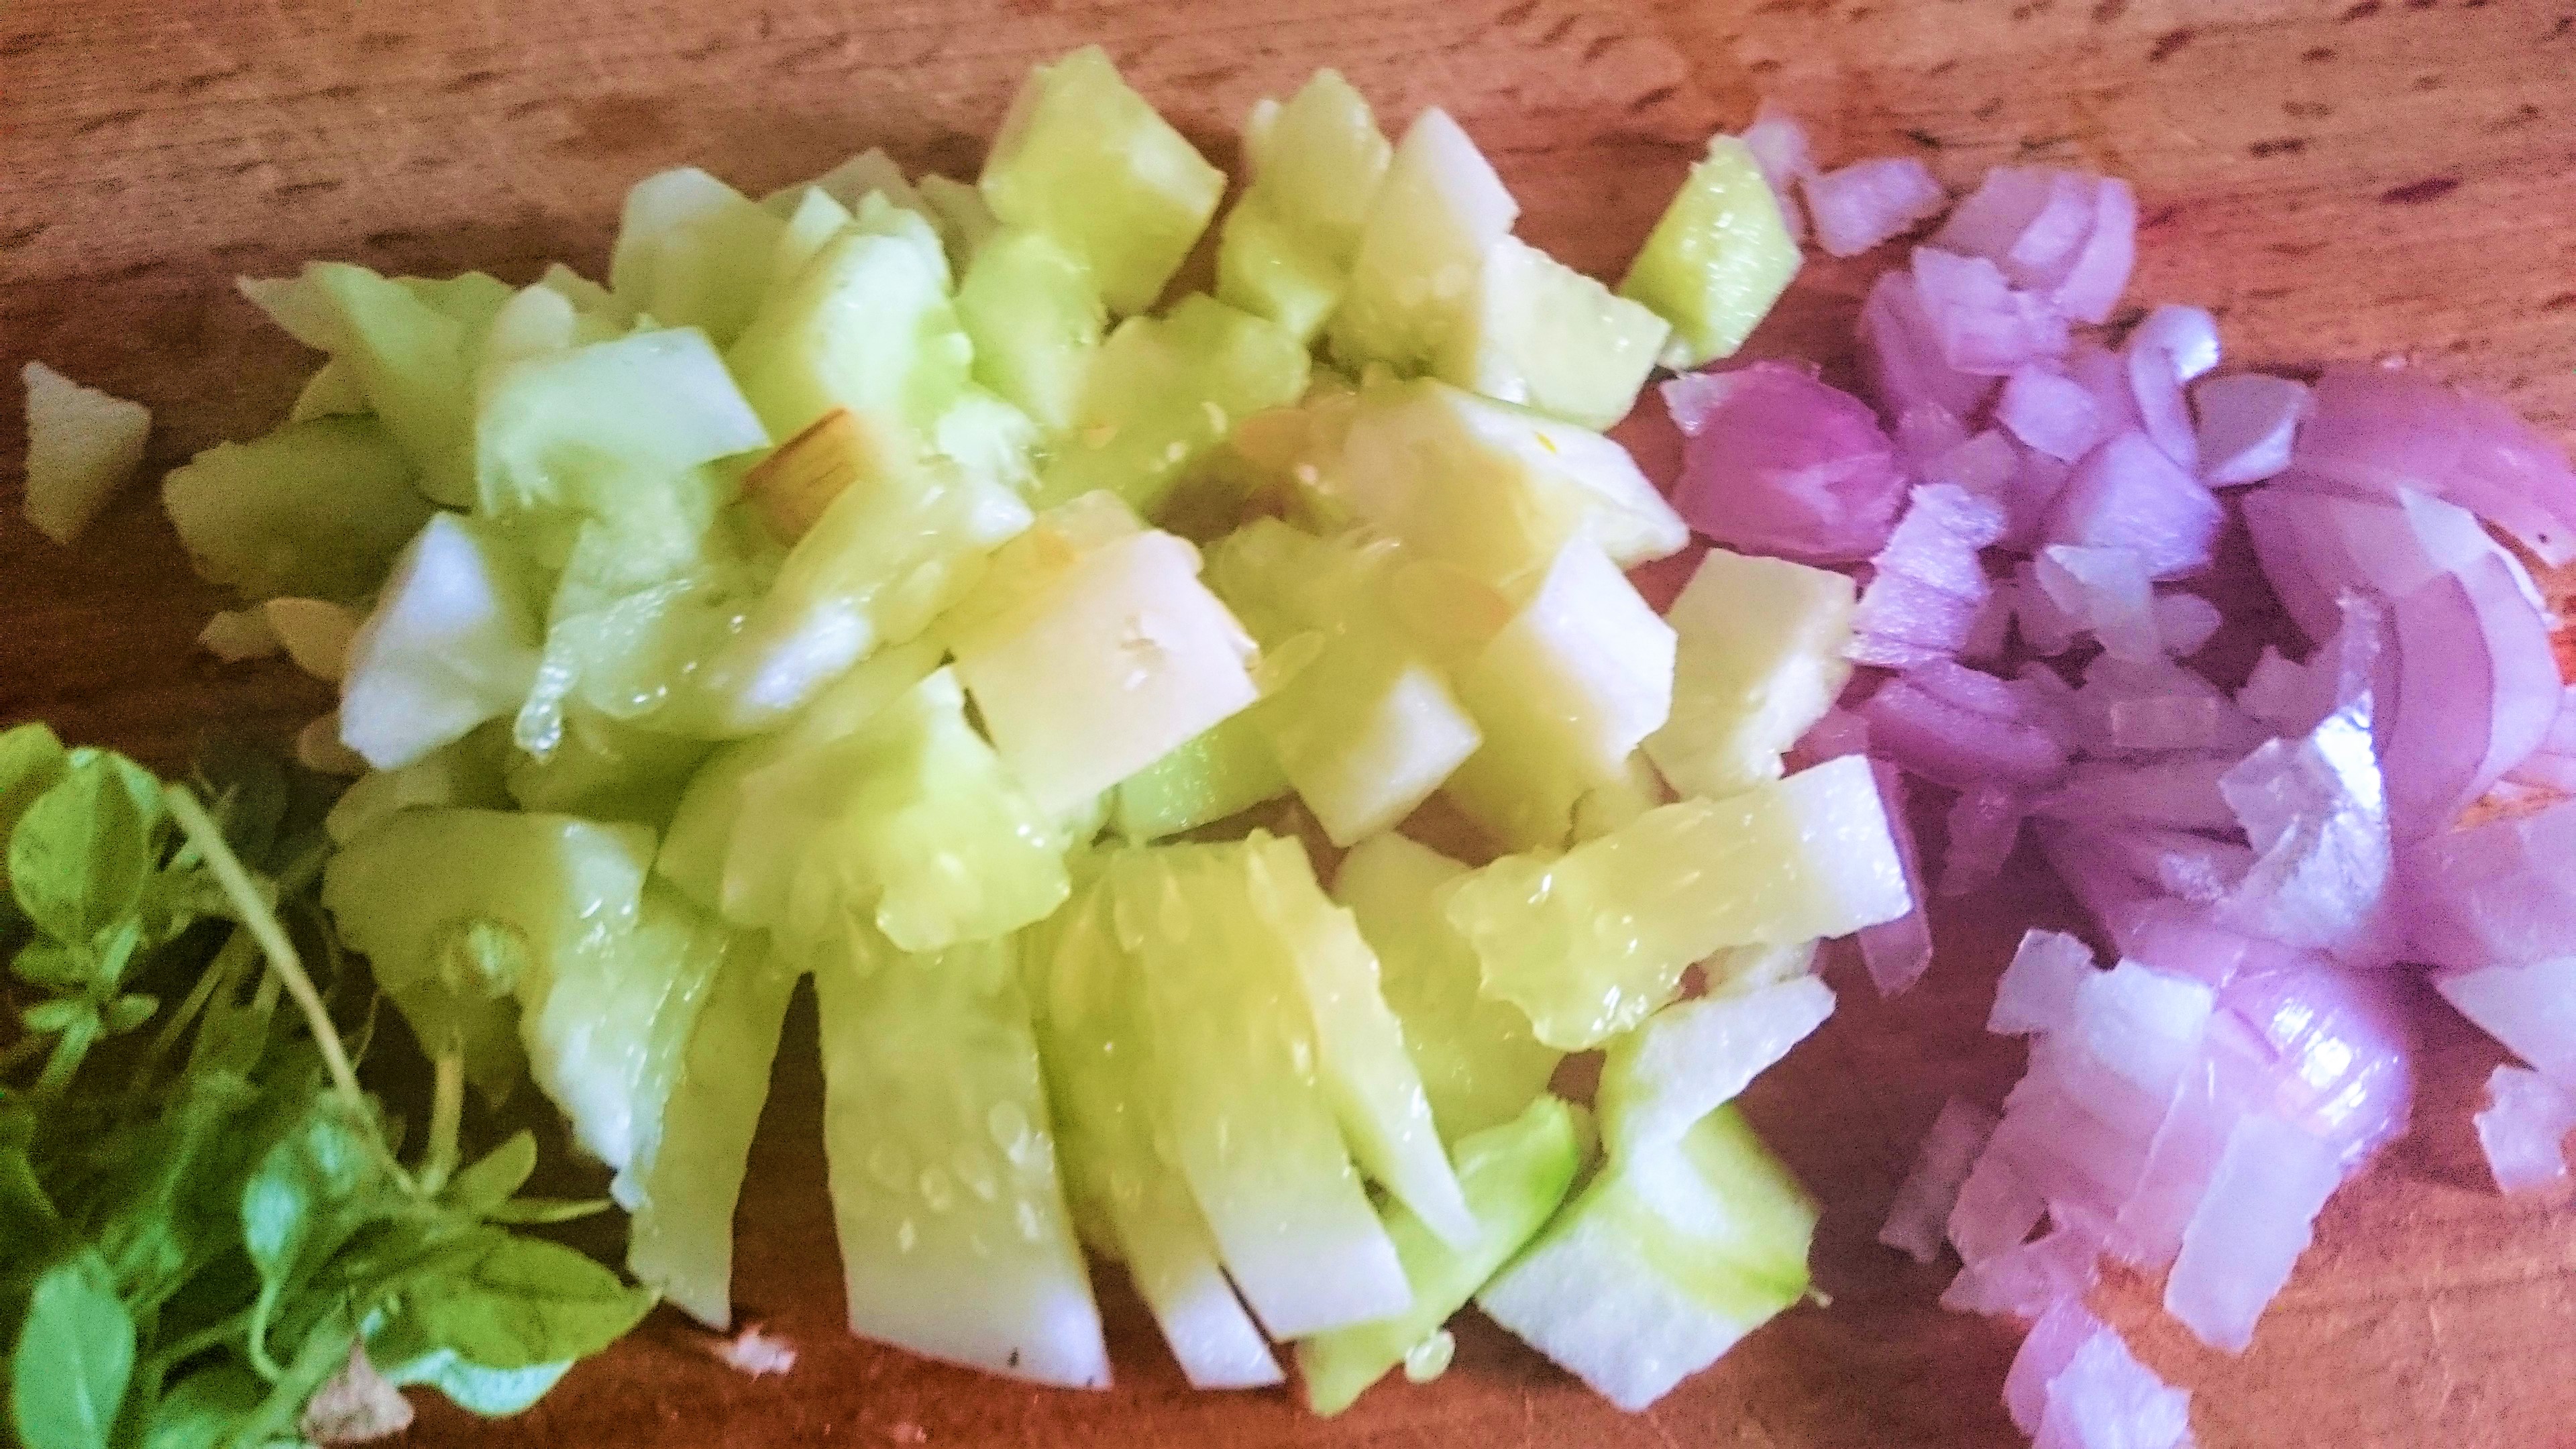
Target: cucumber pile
x=891, y=582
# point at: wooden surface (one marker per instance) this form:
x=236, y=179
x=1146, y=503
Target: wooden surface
x=2334, y=180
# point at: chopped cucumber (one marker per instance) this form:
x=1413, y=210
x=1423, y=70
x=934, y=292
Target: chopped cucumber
x=685, y=1184
x=82, y=446
x=1717, y=260
x=1035, y=317
x=1264, y=268
x=1163, y=393
x=866, y=325
x=313, y=510
x=1479, y=1064
x=607, y=769
x=1112, y=665
x=1414, y=274
x=1514, y=1174
x=331, y=392
x=1119, y=1168
x=1084, y=159
x=894, y=548
x=1592, y=941
x=1365, y=727
x=467, y=772
x=1666, y=1261
x=1253, y=1131
x=954, y=1238
x=414, y=363
x=1563, y=694
x=810, y=224
x=1493, y=488
x=908, y=821
x=1225, y=770
x=1286, y=249
x=1539, y=333
x=606, y=1029
x=964, y=221
x=1760, y=660
x=693, y=252
x=870, y=173
x=457, y=909
x=452, y=642
x=1693, y=1057
x=580, y=429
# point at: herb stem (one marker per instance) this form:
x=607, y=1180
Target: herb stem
x=69, y=1050
x=218, y=976
x=446, y=1121
x=261, y=921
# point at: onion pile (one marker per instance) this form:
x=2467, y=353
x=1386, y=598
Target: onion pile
x=2392, y=788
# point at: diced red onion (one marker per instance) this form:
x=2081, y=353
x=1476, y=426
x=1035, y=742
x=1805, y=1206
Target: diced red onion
x=1898, y=952
x=2179, y=792
x=2291, y=698
x=2552, y=767
x=1983, y=465
x=1777, y=462
x=2332, y=1050
x=2163, y=412
x=1996, y=1209
x=2379, y=429
x=2027, y=1279
x=2185, y=940
x=2187, y=336
x=1984, y=325
x=2128, y=494
x=1920, y=1214
x=2499, y=892
x=1961, y=727
x=2523, y=1131
x=2530, y=1008
x=2186, y=622
x=2051, y=412
x=1929, y=586
x=2066, y=235
x=1858, y=206
x=2316, y=811
x=2100, y=272
x=2477, y=690
x=2105, y=1399
x=2037, y=990
x=1926, y=433
x=2045, y=629
x=1990, y=636
x=1780, y=148
x=2316, y=546
x=1838, y=733
x=2031, y=497
x=1984, y=826
x=2253, y=1223
x=1902, y=354
x=2104, y=376
x=2051, y=1346
x=2107, y=593
x=2247, y=425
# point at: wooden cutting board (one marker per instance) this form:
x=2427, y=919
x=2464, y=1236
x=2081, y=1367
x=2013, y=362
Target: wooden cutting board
x=2338, y=179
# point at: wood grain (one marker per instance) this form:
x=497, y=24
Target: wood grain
x=2381, y=178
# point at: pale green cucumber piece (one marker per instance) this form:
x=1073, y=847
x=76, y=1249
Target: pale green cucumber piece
x=811, y=223
x=608, y=769
x=909, y=821
x=1479, y=1064
x=472, y=299
x=1163, y=392
x=1760, y=660
x=1223, y=771
x=466, y=773
x=692, y=252
x=1414, y=275
x=894, y=549
x=866, y=325
x=415, y=364
x=452, y=642
x=606, y=1027
x=683, y=1189
x=1265, y=268
x=1118, y=1174
x=1662, y=1264
x=1359, y=718
x=1493, y=488
x=315, y=510
x=1366, y=1074
x=1514, y=1175
x=954, y=1238
x=1238, y=1097
x=457, y=909
x=701, y=833
x=1717, y=260
x=1693, y=1057
x=1083, y=158
x=1591, y=941
x=870, y=173
x=331, y=392
x=580, y=428
x=1563, y=695
x=1035, y=317
x=1607, y=807
x=1542, y=334
x=1119, y=660
x=1317, y=162
x=964, y=221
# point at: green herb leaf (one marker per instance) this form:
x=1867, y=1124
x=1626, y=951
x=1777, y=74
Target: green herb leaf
x=56, y=967
x=200, y=1411
x=298, y=1198
x=81, y=854
x=74, y=1356
x=57, y=1015
x=490, y=1182
x=492, y=1393
x=31, y=760
x=541, y=1211
x=521, y=1302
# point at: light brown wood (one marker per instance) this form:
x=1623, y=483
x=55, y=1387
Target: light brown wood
x=2388, y=177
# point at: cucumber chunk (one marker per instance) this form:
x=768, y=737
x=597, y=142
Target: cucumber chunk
x=1760, y=660
x=693, y=252
x=1717, y=260
x=452, y=642
x=1543, y=335
x=1224, y=770
x=1692, y=1057
x=414, y=363
x=1035, y=316
x=313, y=510
x=1414, y=274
